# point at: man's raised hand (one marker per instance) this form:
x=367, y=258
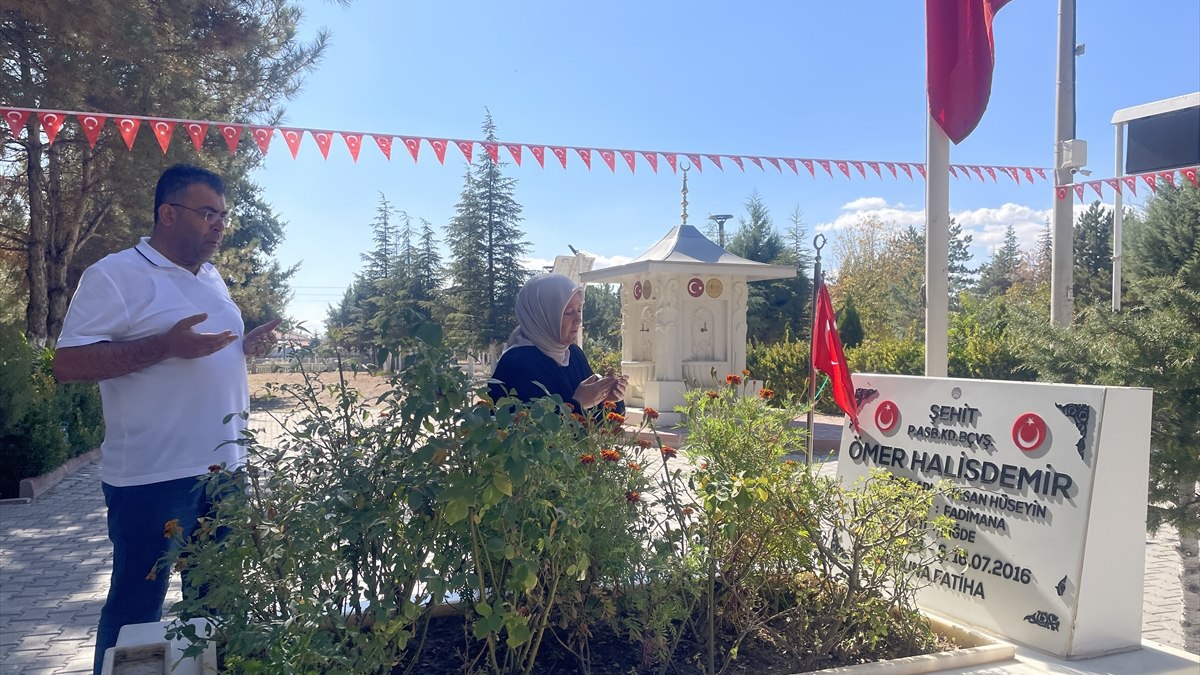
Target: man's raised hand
x=186, y=343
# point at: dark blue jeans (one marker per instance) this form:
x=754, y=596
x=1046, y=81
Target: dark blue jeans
x=136, y=518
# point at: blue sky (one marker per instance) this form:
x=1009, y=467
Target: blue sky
x=836, y=80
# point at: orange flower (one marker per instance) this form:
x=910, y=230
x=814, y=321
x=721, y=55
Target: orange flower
x=579, y=418
x=733, y=380
x=632, y=497
x=712, y=394
x=172, y=528
x=766, y=393
x=587, y=458
x=687, y=511
x=643, y=443
x=610, y=405
x=651, y=414
x=615, y=418
x=745, y=372
x=668, y=452
x=634, y=466
x=704, y=466
x=610, y=455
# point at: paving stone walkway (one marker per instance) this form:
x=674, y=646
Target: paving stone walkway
x=55, y=561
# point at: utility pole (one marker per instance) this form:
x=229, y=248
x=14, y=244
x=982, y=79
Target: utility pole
x=1062, y=236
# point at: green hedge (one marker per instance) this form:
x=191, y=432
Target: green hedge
x=42, y=423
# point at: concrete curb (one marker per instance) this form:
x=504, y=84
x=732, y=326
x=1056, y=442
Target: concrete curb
x=32, y=488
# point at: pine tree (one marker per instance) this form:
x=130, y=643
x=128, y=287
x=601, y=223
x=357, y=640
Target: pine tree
x=997, y=275
x=794, y=313
x=1093, y=256
x=961, y=276
x=1166, y=240
x=770, y=308
x=486, y=246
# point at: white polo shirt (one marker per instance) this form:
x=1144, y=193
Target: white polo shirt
x=165, y=421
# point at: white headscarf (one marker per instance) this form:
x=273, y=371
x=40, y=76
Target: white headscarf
x=540, y=307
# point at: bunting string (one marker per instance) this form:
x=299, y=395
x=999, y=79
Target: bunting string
x=1127, y=183
x=92, y=124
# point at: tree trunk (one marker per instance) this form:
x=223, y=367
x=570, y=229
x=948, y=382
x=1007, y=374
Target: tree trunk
x=1189, y=577
x=37, y=247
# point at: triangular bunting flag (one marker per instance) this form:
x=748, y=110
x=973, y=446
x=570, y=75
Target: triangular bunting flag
x=16, y=120
x=757, y=162
x=439, y=149
x=858, y=165
x=875, y=167
x=1028, y=175
x=715, y=159
x=412, y=144
x=843, y=167
x=1150, y=181
x=561, y=153
x=891, y=167
x=231, y=133
x=539, y=153
x=92, y=124
x=262, y=137
x=738, y=160
x=163, y=130
x=670, y=157
x=1131, y=183
x=651, y=159
x=907, y=170
x=807, y=164
x=492, y=150
x=1060, y=192
x=323, y=139
x=1190, y=174
x=1040, y=172
x=609, y=158
x=775, y=163
x=515, y=151
x=955, y=173
x=292, y=137
x=978, y=171
x=991, y=172
x=1169, y=176
x=468, y=149
x=1012, y=173
x=51, y=123
x=586, y=155
x=824, y=163
x=385, y=145
x=695, y=161
x=630, y=159
x=1113, y=183
x=196, y=131
x=920, y=169
x=1079, y=190
x=1095, y=185
x=353, y=144
x=128, y=126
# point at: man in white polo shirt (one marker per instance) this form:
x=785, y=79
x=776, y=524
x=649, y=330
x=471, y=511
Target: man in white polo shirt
x=155, y=326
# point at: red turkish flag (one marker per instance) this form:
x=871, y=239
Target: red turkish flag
x=1190, y=174
x=92, y=124
x=197, y=131
x=51, y=123
x=412, y=144
x=757, y=162
x=539, y=153
x=920, y=170
x=960, y=55
x=1012, y=173
x=586, y=155
x=323, y=139
x=353, y=144
x=385, y=145
x=128, y=127
x=262, y=137
x=1095, y=185
x=1131, y=183
x=231, y=134
x=493, y=151
x=977, y=170
x=874, y=167
x=1151, y=181
x=907, y=169
x=163, y=130
x=891, y=167
x=1113, y=183
x=1040, y=172
x=715, y=159
x=807, y=164
x=609, y=158
x=292, y=137
x=16, y=120
x=468, y=149
x=1169, y=176
x=1028, y=175
x=991, y=172
x=828, y=357
x=738, y=160
x=1079, y=190
x=671, y=159
x=825, y=165
x=695, y=159
x=630, y=159
x=561, y=153
x=439, y=149
x=651, y=159
x=955, y=173
x=1060, y=192
x=515, y=151
x=775, y=163
x=859, y=166
x=843, y=167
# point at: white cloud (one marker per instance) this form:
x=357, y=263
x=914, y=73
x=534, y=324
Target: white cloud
x=865, y=204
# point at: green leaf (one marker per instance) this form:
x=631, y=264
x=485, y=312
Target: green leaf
x=456, y=510
x=503, y=483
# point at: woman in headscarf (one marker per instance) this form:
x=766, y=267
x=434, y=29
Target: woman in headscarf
x=541, y=357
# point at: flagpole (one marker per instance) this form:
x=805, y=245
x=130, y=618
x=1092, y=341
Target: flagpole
x=937, y=249
x=818, y=244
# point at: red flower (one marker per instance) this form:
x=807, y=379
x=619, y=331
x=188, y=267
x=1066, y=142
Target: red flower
x=733, y=380
x=704, y=466
x=766, y=393
x=610, y=455
x=615, y=418
x=214, y=468
x=712, y=394
x=579, y=418
x=687, y=511
x=668, y=452
x=632, y=497
x=651, y=413
x=643, y=443
x=587, y=458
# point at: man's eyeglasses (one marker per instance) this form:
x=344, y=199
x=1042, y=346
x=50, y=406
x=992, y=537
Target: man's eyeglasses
x=210, y=217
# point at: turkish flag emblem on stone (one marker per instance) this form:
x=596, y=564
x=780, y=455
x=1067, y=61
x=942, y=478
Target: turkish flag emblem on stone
x=92, y=124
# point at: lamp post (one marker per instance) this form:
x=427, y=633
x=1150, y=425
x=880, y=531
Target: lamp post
x=719, y=219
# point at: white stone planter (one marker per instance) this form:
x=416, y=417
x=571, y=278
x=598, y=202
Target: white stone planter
x=975, y=649
x=142, y=650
